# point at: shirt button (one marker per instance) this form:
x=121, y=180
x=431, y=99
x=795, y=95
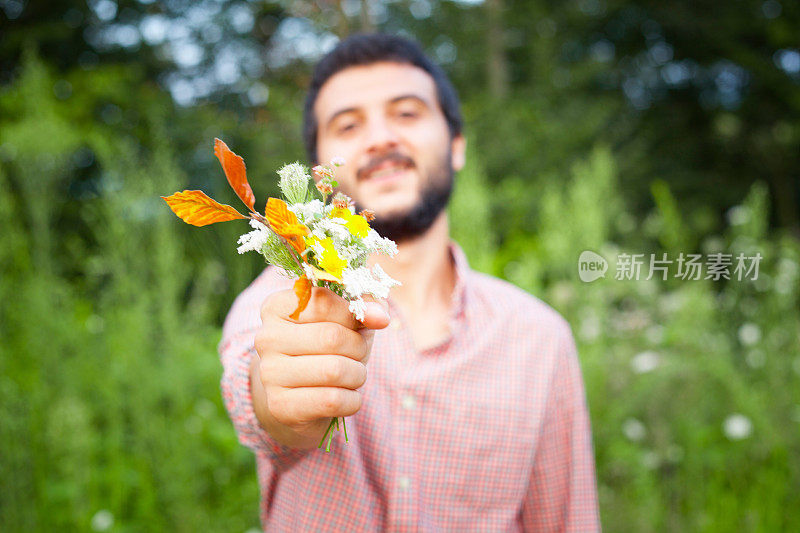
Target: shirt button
x=408, y=402
x=404, y=482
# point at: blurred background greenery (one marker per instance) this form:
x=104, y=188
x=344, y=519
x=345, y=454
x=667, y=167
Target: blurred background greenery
x=619, y=126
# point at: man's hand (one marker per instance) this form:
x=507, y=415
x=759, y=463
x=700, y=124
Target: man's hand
x=309, y=370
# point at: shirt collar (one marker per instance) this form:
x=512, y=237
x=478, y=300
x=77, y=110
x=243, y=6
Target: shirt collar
x=459, y=297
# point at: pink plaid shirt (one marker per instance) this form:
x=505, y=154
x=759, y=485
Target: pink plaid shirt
x=488, y=431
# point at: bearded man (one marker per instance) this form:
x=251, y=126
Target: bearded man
x=473, y=416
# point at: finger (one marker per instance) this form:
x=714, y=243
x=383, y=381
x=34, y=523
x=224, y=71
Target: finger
x=369, y=337
x=306, y=404
x=320, y=338
x=314, y=371
x=324, y=306
x=376, y=316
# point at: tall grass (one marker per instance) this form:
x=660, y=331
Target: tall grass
x=109, y=398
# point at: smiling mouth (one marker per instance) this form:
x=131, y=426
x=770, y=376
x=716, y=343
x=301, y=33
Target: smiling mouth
x=385, y=168
x=386, y=172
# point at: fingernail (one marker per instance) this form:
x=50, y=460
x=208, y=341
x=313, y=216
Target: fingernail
x=377, y=305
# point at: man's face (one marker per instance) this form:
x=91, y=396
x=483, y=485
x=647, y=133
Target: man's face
x=384, y=119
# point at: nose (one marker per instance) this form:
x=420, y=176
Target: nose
x=381, y=137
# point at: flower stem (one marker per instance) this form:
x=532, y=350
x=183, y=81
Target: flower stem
x=328, y=435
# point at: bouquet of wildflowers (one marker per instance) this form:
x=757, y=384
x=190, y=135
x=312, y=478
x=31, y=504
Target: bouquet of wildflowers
x=314, y=235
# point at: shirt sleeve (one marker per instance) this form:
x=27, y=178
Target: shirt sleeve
x=562, y=494
x=236, y=350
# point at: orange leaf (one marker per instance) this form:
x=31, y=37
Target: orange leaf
x=285, y=223
x=302, y=288
x=278, y=214
x=197, y=209
x=233, y=165
x=298, y=243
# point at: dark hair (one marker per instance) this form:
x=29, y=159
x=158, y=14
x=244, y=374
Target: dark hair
x=365, y=49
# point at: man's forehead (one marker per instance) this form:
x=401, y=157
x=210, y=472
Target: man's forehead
x=374, y=84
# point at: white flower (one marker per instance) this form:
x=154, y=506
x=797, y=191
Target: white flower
x=360, y=281
x=737, y=427
x=645, y=362
x=655, y=334
x=749, y=334
x=650, y=460
x=308, y=211
x=265, y=242
x=294, y=182
x=255, y=240
x=358, y=307
x=332, y=227
x=384, y=279
x=633, y=429
x=102, y=520
x=337, y=161
x=590, y=327
x=738, y=215
x=376, y=243
x=755, y=358
x=354, y=254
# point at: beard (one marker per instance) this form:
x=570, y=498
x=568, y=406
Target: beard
x=415, y=221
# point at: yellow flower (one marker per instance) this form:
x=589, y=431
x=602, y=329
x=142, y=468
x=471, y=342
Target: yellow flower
x=356, y=224
x=330, y=260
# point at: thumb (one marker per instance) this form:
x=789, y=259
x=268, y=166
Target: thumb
x=376, y=314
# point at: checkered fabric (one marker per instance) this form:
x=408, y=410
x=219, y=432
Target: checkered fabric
x=487, y=432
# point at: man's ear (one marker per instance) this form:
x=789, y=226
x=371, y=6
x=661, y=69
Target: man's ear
x=458, y=149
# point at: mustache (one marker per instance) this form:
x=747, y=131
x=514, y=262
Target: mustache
x=391, y=157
